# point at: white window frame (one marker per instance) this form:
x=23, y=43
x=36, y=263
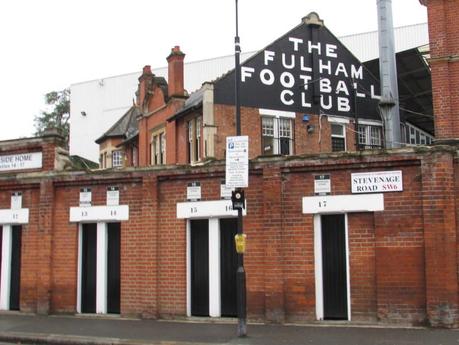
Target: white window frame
x=194, y=126
x=411, y=138
x=117, y=159
x=278, y=116
x=343, y=136
x=368, y=126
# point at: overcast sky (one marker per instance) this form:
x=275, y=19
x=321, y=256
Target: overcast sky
x=47, y=45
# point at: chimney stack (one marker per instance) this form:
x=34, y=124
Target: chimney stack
x=144, y=80
x=175, y=72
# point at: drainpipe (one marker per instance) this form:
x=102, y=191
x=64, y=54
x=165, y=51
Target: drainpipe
x=389, y=104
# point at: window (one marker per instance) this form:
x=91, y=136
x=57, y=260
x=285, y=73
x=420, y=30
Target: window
x=370, y=136
x=338, y=137
x=194, y=140
x=158, y=156
x=277, y=135
x=117, y=159
x=135, y=154
x=416, y=136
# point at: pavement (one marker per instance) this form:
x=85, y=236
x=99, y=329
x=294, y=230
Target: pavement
x=86, y=330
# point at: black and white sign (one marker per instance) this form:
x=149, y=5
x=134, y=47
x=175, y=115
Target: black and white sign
x=323, y=204
x=207, y=209
x=11, y=217
x=307, y=71
x=225, y=192
x=16, y=200
x=85, y=197
x=322, y=185
x=377, y=182
x=21, y=161
x=99, y=213
x=113, y=196
x=193, y=191
x=237, y=162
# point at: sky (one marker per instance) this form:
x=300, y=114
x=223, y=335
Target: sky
x=47, y=45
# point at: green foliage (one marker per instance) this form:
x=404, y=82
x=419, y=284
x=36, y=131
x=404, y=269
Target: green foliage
x=58, y=116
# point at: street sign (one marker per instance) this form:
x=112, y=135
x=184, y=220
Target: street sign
x=237, y=162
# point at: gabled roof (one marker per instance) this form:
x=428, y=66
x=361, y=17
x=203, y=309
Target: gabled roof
x=124, y=128
x=192, y=103
x=307, y=70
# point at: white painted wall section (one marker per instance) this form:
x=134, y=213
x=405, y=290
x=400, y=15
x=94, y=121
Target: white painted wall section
x=101, y=277
x=214, y=268
x=5, y=282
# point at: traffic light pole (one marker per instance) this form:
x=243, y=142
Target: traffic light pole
x=240, y=275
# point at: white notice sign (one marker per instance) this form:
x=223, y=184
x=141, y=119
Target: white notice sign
x=85, y=197
x=322, y=185
x=16, y=201
x=113, y=196
x=237, y=162
x=225, y=192
x=193, y=191
x=20, y=161
x=377, y=182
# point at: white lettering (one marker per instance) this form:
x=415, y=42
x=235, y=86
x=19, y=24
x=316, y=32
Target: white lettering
x=342, y=87
x=267, y=76
x=269, y=56
x=284, y=100
x=314, y=46
x=341, y=69
x=325, y=85
x=296, y=42
x=323, y=66
x=303, y=101
x=287, y=79
x=357, y=73
x=292, y=61
x=246, y=72
x=306, y=79
x=373, y=95
x=303, y=67
x=343, y=104
x=326, y=106
x=330, y=50
x=358, y=94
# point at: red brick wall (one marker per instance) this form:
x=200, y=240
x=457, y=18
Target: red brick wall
x=319, y=140
x=403, y=260
x=444, y=63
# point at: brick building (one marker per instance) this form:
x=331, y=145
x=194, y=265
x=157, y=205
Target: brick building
x=304, y=93
x=363, y=236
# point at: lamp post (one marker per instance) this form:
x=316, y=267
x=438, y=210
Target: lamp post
x=240, y=275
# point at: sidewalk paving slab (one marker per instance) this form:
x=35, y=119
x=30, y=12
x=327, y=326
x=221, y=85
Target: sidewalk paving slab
x=77, y=330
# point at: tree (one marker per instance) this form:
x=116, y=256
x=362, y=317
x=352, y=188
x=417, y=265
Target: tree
x=58, y=116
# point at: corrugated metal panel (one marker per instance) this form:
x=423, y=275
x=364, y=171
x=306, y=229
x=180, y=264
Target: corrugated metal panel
x=365, y=46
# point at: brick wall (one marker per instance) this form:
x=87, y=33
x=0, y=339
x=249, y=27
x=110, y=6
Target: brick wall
x=444, y=63
x=403, y=260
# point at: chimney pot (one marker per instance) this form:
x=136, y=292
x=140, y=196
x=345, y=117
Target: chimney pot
x=146, y=69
